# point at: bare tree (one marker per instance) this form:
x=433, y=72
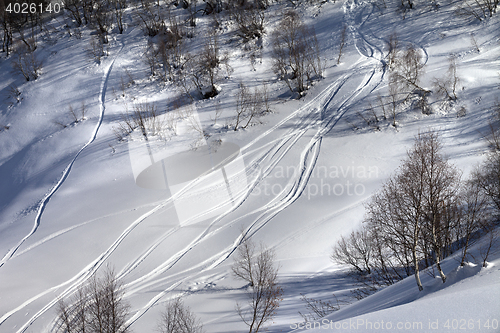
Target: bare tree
x=151, y=57
x=7, y=29
x=145, y=117
x=250, y=105
x=442, y=182
x=96, y=307
x=393, y=98
x=119, y=7
x=103, y=18
x=88, y=8
x=264, y=293
x=406, y=70
x=74, y=9
x=343, y=37
x=242, y=97
x=209, y=63
x=474, y=214
x=73, y=317
x=493, y=137
x=393, y=49
x=106, y=306
x=409, y=68
x=447, y=86
x=96, y=49
x=170, y=49
x=203, y=70
x=396, y=213
x=488, y=177
x=151, y=16
x=478, y=9
x=474, y=43
x=178, y=318
x=490, y=230
x=355, y=251
x=190, y=5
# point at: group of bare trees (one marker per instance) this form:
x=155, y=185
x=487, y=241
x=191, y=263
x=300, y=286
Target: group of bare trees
x=406, y=67
x=422, y=214
x=165, y=55
x=250, y=18
x=24, y=26
x=477, y=9
x=99, y=14
x=296, y=56
x=20, y=37
x=96, y=307
x=99, y=307
x=145, y=118
x=255, y=267
x=195, y=72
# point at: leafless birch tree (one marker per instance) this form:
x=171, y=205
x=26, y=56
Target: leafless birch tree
x=264, y=293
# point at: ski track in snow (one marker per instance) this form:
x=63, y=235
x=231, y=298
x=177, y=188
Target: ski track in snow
x=43, y=203
x=310, y=117
x=307, y=162
x=45, y=200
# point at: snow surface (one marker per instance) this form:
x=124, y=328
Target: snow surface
x=70, y=205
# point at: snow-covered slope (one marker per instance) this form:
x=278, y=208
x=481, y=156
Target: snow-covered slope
x=70, y=205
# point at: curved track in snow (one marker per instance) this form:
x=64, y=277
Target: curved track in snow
x=43, y=203
x=48, y=196
x=309, y=117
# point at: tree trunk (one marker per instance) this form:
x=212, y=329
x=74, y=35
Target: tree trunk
x=414, y=253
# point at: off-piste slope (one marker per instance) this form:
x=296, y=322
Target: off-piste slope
x=71, y=207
